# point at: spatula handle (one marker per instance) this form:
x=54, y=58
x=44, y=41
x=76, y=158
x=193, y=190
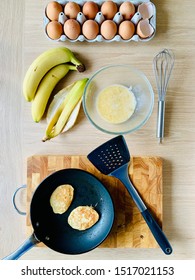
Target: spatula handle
x=122, y=174
x=157, y=232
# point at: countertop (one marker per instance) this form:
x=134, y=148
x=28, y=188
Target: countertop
x=22, y=39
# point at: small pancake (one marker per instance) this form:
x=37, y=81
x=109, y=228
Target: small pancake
x=61, y=198
x=83, y=217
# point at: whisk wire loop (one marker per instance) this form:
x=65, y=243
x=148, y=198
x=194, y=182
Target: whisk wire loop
x=163, y=64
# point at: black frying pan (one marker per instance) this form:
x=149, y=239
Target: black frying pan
x=53, y=229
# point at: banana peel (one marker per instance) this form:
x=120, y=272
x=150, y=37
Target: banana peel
x=58, y=99
x=64, y=109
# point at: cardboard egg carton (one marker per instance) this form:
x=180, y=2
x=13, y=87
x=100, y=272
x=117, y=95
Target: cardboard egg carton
x=99, y=18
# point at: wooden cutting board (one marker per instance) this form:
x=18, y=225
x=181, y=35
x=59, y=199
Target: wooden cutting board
x=129, y=230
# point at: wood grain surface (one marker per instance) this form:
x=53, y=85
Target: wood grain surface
x=129, y=229
x=22, y=39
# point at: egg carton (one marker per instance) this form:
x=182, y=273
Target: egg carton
x=117, y=18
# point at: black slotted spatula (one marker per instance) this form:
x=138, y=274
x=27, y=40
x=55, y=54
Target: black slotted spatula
x=112, y=158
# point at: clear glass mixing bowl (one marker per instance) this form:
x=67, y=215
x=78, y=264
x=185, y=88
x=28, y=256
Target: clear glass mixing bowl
x=122, y=75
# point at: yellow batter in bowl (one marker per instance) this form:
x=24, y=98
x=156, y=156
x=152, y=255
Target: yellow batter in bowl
x=116, y=104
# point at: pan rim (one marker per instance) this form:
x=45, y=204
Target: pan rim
x=111, y=207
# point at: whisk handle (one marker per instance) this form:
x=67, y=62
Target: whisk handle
x=160, y=120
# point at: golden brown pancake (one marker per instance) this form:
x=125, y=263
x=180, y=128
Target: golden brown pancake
x=61, y=198
x=83, y=217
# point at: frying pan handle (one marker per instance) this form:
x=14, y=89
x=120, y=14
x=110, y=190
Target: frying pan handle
x=14, y=200
x=157, y=232
x=29, y=243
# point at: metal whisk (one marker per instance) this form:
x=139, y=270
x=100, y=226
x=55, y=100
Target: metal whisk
x=163, y=64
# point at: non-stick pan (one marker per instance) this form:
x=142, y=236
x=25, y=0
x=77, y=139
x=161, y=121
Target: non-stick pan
x=53, y=229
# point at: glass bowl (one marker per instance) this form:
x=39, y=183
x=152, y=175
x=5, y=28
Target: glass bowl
x=133, y=80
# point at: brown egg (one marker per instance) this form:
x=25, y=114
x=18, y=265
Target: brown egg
x=54, y=30
x=72, y=29
x=53, y=9
x=90, y=29
x=90, y=9
x=144, y=29
x=126, y=29
x=108, y=29
x=109, y=9
x=127, y=9
x=72, y=9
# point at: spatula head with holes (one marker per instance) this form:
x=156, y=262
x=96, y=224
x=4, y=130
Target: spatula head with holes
x=111, y=155
x=112, y=158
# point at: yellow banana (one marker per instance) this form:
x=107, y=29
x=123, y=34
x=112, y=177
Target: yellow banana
x=42, y=64
x=46, y=87
x=61, y=116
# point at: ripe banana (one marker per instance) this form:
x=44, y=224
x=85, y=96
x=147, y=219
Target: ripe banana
x=61, y=116
x=42, y=64
x=46, y=87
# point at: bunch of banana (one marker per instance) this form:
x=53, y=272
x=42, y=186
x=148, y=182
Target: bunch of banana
x=64, y=109
x=43, y=75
